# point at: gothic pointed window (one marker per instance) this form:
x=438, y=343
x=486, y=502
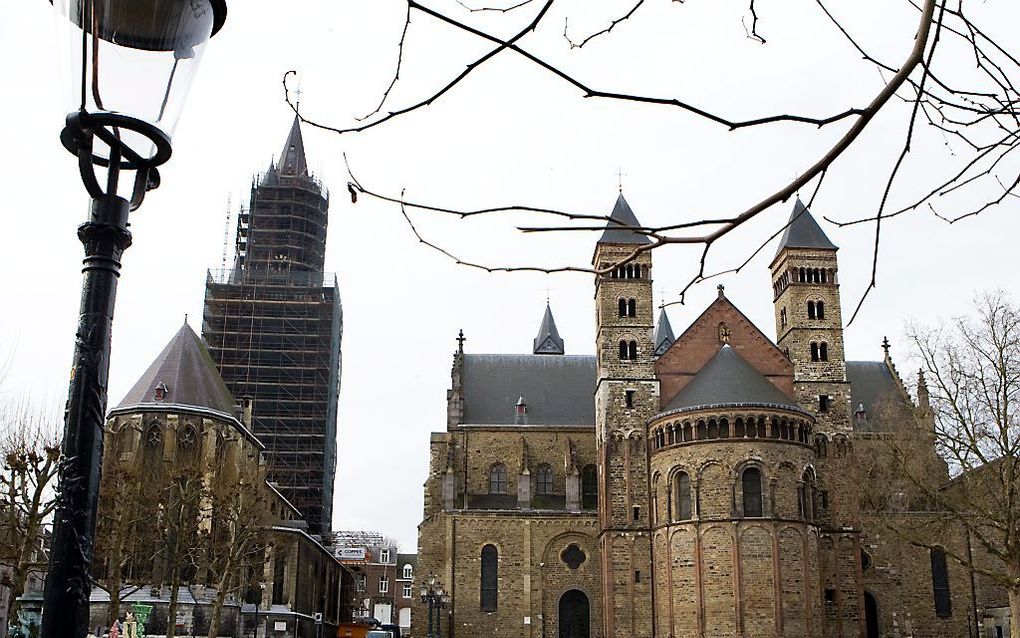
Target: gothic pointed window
x=497, y=479
x=683, y=496
x=751, y=487
x=490, y=578
x=544, y=480
x=187, y=445
x=152, y=454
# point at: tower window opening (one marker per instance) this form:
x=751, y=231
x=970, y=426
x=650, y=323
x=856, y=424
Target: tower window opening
x=637, y=512
x=632, y=350
x=801, y=275
x=629, y=397
x=631, y=307
x=814, y=351
x=823, y=403
x=824, y=276
x=823, y=351
x=623, y=307
x=782, y=317
x=637, y=271
x=630, y=271
x=811, y=310
x=820, y=309
x=623, y=350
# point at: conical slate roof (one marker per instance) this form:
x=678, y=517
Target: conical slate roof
x=617, y=229
x=292, y=159
x=548, y=340
x=729, y=380
x=663, y=334
x=189, y=375
x=804, y=231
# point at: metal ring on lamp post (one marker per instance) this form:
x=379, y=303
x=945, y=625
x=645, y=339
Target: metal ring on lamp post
x=81, y=126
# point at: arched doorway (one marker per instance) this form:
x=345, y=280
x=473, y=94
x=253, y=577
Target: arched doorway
x=871, y=615
x=575, y=614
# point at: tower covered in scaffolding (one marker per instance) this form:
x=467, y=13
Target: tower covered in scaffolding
x=274, y=322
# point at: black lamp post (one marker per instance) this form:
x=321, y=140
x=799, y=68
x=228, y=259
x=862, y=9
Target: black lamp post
x=436, y=599
x=130, y=64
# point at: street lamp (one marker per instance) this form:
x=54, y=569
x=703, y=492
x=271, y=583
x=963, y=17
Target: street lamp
x=436, y=599
x=130, y=64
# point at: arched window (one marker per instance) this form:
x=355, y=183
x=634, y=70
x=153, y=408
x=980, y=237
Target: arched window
x=810, y=310
x=823, y=351
x=187, y=444
x=408, y=571
x=738, y=428
x=782, y=317
x=637, y=271
x=820, y=309
x=544, y=479
x=490, y=578
x=940, y=583
x=630, y=271
x=152, y=454
x=802, y=277
x=497, y=479
x=589, y=487
x=814, y=351
x=623, y=350
x=623, y=307
x=751, y=485
x=683, y=497
x=631, y=308
x=806, y=495
x=824, y=277
x=632, y=350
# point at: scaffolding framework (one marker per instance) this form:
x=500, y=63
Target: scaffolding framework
x=273, y=324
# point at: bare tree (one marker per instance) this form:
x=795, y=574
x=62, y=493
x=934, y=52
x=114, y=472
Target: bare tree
x=181, y=547
x=949, y=473
x=30, y=451
x=975, y=113
x=240, y=513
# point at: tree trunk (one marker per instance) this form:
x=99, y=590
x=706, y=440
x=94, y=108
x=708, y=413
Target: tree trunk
x=217, y=610
x=1014, y=610
x=171, y=612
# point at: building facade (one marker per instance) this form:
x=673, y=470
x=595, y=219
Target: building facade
x=189, y=522
x=384, y=578
x=274, y=323
x=682, y=486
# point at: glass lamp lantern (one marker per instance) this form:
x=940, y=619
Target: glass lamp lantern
x=128, y=67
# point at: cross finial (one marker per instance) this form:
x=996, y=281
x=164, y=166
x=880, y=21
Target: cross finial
x=547, y=296
x=299, y=93
x=619, y=177
x=662, y=296
x=722, y=291
x=460, y=342
x=885, y=345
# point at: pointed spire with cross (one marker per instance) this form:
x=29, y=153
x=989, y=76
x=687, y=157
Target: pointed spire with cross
x=460, y=342
x=886, y=346
x=619, y=177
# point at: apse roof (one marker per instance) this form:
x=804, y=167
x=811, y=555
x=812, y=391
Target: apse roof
x=728, y=379
x=184, y=374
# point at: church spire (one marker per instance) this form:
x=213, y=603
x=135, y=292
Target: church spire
x=663, y=334
x=292, y=159
x=618, y=228
x=803, y=231
x=548, y=340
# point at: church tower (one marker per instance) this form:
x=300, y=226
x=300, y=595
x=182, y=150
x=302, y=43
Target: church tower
x=626, y=396
x=809, y=321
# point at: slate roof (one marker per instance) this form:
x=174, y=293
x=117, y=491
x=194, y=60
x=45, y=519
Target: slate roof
x=548, y=340
x=187, y=370
x=804, y=231
x=617, y=233
x=663, y=334
x=557, y=390
x=729, y=380
x=871, y=385
x=292, y=159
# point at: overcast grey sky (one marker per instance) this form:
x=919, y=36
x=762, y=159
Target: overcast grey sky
x=510, y=133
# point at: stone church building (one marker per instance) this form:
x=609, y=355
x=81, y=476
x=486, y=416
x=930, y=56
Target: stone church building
x=681, y=487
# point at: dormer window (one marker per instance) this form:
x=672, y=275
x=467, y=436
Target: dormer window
x=860, y=414
x=521, y=411
x=160, y=392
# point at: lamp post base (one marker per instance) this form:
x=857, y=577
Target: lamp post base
x=68, y=579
